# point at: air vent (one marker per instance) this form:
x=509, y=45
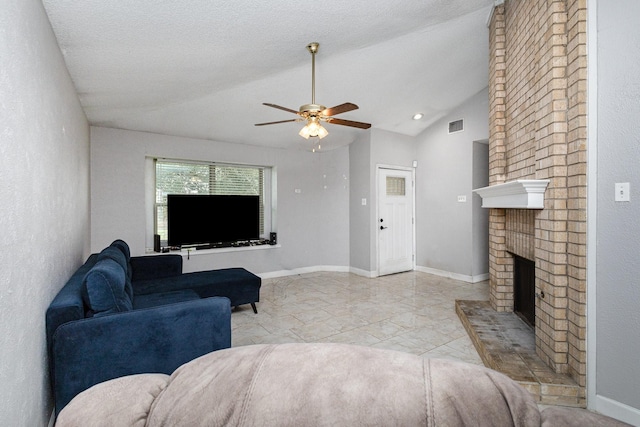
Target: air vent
x=456, y=126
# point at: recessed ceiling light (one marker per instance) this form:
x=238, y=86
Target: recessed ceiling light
x=418, y=116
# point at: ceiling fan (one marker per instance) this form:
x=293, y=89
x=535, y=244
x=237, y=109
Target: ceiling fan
x=314, y=114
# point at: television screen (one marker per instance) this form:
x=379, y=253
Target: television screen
x=210, y=219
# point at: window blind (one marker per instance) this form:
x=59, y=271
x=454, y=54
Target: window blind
x=177, y=177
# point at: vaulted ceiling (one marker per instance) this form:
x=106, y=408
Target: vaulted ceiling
x=203, y=68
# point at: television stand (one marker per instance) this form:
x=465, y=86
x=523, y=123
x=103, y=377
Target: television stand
x=238, y=244
x=209, y=246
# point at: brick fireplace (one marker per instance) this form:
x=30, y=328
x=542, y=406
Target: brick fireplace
x=537, y=101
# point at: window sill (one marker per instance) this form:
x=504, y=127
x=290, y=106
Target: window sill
x=193, y=252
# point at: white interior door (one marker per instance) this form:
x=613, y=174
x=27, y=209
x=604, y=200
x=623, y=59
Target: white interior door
x=395, y=221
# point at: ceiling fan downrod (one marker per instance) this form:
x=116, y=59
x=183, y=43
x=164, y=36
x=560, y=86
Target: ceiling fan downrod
x=313, y=49
x=313, y=109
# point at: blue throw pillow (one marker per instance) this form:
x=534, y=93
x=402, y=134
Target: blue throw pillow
x=124, y=247
x=114, y=253
x=104, y=288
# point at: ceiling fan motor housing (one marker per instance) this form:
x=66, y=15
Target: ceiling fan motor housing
x=310, y=110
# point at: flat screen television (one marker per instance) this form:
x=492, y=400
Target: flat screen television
x=211, y=219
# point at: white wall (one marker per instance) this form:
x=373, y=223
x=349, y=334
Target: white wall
x=44, y=214
x=617, y=240
x=445, y=171
x=312, y=226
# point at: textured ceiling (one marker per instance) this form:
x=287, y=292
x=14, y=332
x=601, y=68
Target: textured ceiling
x=202, y=68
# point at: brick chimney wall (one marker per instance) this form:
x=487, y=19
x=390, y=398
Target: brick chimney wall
x=537, y=101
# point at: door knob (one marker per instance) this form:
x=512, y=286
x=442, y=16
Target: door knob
x=383, y=227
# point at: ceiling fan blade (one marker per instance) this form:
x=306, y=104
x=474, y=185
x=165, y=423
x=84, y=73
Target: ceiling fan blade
x=280, y=108
x=351, y=123
x=275, y=123
x=338, y=109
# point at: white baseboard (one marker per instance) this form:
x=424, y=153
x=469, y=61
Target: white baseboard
x=456, y=276
x=363, y=273
x=369, y=274
x=617, y=410
x=304, y=270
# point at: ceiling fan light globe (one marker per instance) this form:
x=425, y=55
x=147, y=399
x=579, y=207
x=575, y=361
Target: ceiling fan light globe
x=322, y=132
x=313, y=127
x=304, y=132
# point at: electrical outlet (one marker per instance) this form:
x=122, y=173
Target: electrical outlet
x=622, y=192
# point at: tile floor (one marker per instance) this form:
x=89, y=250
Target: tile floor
x=412, y=312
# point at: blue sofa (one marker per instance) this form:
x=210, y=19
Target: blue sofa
x=120, y=315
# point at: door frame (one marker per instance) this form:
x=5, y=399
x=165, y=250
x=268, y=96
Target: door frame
x=379, y=167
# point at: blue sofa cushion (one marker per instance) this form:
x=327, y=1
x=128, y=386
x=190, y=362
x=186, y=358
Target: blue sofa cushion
x=115, y=253
x=155, y=267
x=164, y=298
x=237, y=284
x=104, y=288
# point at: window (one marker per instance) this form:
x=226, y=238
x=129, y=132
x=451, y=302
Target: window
x=395, y=186
x=181, y=177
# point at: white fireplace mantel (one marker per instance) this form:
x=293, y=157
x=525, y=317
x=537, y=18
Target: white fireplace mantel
x=519, y=194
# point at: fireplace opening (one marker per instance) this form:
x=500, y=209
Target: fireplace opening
x=524, y=284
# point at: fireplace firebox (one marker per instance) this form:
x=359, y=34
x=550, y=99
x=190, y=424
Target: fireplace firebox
x=524, y=284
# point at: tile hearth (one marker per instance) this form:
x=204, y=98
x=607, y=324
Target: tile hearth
x=507, y=344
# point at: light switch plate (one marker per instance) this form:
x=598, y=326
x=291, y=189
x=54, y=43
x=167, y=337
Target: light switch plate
x=622, y=192
x=462, y=199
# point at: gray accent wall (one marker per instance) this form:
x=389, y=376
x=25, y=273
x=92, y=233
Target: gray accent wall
x=360, y=215
x=387, y=149
x=447, y=241
x=617, y=286
x=374, y=148
x=480, y=215
x=448, y=165
x=44, y=214
x=312, y=199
